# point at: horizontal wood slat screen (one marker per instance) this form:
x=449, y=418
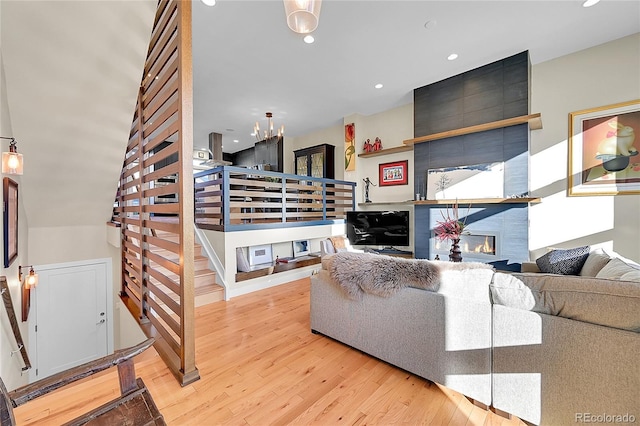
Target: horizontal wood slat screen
x=233, y=198
x=154, y=202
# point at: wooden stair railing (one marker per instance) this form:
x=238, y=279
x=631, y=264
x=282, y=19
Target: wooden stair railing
x=232, y=198
x=134, y=404
x=156, y=183
x=11, y=313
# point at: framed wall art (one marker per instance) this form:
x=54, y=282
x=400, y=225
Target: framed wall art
x=10, y=220
x=603, y=150
x=396, y=173
x=349, y=147
x=301, y=248
x=260, y=255
x=471, y=181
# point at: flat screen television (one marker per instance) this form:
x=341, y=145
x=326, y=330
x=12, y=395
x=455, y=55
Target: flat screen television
x=378, y=228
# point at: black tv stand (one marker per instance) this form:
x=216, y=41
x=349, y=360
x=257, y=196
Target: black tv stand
x=392, y=251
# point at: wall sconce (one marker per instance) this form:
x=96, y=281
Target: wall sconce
x=30, y=281
x=11, y=161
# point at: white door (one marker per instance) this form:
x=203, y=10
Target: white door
x=71, y=316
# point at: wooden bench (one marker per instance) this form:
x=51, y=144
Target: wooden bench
x=133, y=407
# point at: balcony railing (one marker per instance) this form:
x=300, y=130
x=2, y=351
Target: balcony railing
x=232, y=198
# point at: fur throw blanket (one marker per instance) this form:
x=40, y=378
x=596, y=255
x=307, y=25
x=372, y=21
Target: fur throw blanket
x=359, y=273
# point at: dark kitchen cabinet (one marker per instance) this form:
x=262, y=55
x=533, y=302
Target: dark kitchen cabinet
x=316, y=161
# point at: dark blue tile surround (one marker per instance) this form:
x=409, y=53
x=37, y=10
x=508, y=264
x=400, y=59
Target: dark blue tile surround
x=490, y=93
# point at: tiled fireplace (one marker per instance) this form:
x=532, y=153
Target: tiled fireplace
x=478, y=245
x=504, y=224
x=491, y=93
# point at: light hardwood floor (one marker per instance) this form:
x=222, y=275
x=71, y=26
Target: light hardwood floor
x=260, y=364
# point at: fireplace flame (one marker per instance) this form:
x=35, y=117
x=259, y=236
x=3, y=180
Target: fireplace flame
x=484, y=247
x=480, y=248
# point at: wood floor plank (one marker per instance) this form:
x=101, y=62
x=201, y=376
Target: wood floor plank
x=477, y=416
x=260, y=364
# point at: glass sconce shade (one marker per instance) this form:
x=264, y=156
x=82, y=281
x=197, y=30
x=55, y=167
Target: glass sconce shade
x=12, y=163
x=302, y=15
x=32, y=279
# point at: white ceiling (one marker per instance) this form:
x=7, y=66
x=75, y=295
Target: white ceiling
x=72, y=68
x=247, y=61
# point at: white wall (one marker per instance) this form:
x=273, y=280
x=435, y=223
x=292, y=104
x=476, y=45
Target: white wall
x=10, y=366
x=594, y=77
x=392, y=127
x=332, y=135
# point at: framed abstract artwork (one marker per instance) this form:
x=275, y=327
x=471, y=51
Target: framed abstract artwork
x=349, y=147
x=396, y=173
x=10, y=220
x=301, y=248
x=603, y=150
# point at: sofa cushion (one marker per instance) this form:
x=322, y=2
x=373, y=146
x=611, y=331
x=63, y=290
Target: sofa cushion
x=563, y=261
x=612, y=303
x=508, y=290
x=596, y=260
x=621, y=270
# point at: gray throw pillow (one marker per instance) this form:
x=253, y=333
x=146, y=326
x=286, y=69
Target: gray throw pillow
x=595, y=262
x=564, y=262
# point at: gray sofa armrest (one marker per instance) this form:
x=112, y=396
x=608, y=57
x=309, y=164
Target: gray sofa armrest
x=550, y=370
x=443, y=338
x=529, y=267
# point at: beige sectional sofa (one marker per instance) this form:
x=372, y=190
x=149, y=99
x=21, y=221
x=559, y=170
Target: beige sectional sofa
x=444, y=336
x=549, y=349
x=566, y=348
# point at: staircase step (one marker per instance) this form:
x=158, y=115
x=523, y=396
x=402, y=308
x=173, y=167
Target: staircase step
x=205, y=287
x=204, y=294
x=209, y=294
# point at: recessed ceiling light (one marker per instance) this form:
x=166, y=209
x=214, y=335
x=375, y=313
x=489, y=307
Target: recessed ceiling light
x=209, y=2
x=236, y=141
x=309, y=39
x=589, y=3
x=229, y=130
x=452, y=57
x=378, y=86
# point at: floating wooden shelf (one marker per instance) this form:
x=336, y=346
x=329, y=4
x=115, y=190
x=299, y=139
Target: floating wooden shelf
x=387, y=151
x=386, y=203
x=534, y=120
x=280, y=267
x=522, y=200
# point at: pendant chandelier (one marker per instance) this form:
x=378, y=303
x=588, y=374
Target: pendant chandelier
x=268, y=133
x=302, y=15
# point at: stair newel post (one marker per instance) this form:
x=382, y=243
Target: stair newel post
x=189, y=372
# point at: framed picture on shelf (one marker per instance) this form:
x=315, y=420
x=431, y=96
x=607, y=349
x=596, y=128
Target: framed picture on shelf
x=300, y=248
x=472, y=181
x=260, y=255
x=603, y=150
x=395, y=173
x=10, y=220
